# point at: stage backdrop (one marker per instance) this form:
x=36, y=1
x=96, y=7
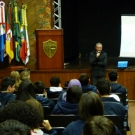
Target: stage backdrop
x=87, y=22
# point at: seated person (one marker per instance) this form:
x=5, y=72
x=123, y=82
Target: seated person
x=84, y=80
x=99, y=125
x=62, y=96
x=70, y=106
x=7, y=90
x=26, y=91
x=25, y=75
x=40, y=88
x=26, y=114
x=35, y=104
x=90, y=105
x=55, y=89
x=116, y=87
x=111, y=105
x=14, y=127
x=15, y=75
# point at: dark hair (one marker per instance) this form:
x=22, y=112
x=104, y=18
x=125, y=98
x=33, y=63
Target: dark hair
x=25, y=91
x=90, y=105
x=19, y=110
x=103, y=86
x=84, y=79
x=14, y=127
x=39, y=87
x=74, y=94
x=113, y=75
x=55, y=81
x=7, y=81
x=66, y=84
x=37, y=105
x=99, y=125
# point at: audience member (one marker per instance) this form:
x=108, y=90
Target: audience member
x=26, y=114
x=72, y=99
x=55, y=88
x=99, y=125
x=116, y=87
x=84, y=80
x=72, y=82
x=90, y=105
x=40, y=88
x=15, y=75
x=7, y=90
x=14, y=127
x=35, y=104
x=111, y=105
x=26, y=91
x=25, y=75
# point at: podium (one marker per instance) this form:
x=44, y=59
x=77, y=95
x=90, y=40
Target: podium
x=49, y=49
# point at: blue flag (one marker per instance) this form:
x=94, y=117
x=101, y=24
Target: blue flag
x=2, y=41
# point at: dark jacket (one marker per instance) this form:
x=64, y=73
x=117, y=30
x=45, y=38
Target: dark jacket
x=6, y=97
x=45, y=101
x=65, y=108
x=76, y=127
x=86, y=88
x=117, y=88
x=112, y=106
x=98, y=64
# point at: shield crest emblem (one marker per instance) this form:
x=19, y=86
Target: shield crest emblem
x=50, y=48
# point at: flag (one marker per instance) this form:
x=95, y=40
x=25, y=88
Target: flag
x=2, y=42
x=16, y=32
x=2, y=30
x=9, y=40
x=24, y=51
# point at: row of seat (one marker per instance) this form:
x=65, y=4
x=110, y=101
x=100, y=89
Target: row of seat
x=60, y=121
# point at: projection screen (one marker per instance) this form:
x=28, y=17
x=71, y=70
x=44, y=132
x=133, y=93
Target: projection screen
x=127, y=48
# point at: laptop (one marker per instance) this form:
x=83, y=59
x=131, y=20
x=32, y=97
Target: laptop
x=122, y=64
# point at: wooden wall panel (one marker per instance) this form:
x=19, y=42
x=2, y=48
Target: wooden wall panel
x=126, y=77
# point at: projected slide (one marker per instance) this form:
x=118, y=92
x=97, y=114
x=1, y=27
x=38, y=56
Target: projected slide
x=127, y=36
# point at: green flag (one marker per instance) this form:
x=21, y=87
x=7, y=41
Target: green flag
x=16, y=32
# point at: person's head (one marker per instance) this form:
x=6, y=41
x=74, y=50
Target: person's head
x=98, y=47
x=37, y=105
x=15, y=75
x=8, y=84
x=55, y=81
x=66, y=84
x=99, y=125
x=90, y=105
x=84, y=79
x=74, y=94
x=73, y=82
x=103, y=86
x=22, y=112
x=113, y=75
x=14, y=127
x=39, y=87
x=25, y=75
x=25, y=91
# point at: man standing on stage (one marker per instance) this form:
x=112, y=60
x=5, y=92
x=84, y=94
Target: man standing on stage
x=98, y=61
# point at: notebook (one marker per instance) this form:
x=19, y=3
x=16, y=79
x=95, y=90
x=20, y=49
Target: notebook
x=122, y=64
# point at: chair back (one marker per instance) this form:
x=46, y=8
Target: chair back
x=60, y=120
x=118, y=123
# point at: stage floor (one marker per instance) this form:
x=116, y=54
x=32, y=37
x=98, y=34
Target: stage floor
x=83, y=63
